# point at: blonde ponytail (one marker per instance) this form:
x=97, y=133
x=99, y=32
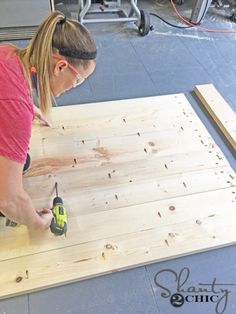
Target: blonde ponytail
x=56, y=31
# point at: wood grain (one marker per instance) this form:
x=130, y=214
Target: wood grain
x=220, y=111
x=142, y=181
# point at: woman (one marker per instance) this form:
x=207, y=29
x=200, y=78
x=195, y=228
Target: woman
x=60, y=56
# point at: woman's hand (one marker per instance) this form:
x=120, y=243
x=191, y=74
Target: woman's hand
x=46, y=216
x=41, y=118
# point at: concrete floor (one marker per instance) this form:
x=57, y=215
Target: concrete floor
x=166, y=61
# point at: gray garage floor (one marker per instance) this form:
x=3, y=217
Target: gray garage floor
x=166, y=61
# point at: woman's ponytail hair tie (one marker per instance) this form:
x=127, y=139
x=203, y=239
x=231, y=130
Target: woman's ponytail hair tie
x=62, y=21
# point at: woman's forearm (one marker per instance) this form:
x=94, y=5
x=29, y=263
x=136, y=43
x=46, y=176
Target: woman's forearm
x=15, y=203
x=19, y=208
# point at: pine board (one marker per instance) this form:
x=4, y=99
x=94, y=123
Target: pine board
x=142, y=181
x=220, y=111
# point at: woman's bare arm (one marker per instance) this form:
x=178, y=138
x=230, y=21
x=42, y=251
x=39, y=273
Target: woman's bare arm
x=15, y=203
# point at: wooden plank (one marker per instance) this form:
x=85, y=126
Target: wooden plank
x=142, y=181
x=105, y=223
x=116, y=154
x=130, y=116
x=220, y=111
x=176, y=232
x=97, y=192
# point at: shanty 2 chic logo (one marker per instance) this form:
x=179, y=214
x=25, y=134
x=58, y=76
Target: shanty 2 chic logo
x=213, y=292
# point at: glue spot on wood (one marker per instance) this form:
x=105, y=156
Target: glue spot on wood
x=75, y=161
x=184, y=184
x=130, y=181
x=166, y=242
x=211, y=215
x=151, y=143
x=27, y=274
x=83, y=141
x=124, y=120
x=63, y=128
x=109, y=175
x=171, y=207
x=138, y=134
x=116, y=196
x=19, y=278
x=172, y=235
x=198, y=222
x=145, y=150
x=182, y=128
x=166, y=166
x=103, y=255
x=159, y=214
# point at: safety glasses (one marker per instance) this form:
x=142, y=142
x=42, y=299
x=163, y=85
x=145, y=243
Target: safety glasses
x=78, y=79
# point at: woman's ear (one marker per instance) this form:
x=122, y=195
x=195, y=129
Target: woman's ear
x=60, y=67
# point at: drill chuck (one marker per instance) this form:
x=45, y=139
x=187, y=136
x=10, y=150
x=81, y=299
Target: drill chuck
x=57, y=200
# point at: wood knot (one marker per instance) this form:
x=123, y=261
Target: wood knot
x=19, y=279
x=109, y=246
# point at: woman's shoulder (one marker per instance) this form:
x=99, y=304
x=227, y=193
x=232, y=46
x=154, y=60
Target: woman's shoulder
x=7, y=51
x=9, y=60
x=12, y=80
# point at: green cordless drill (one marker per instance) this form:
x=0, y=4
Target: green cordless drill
x=59, y=222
